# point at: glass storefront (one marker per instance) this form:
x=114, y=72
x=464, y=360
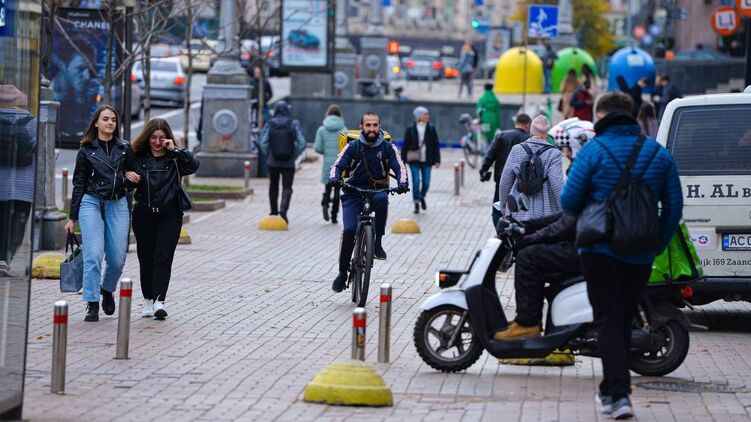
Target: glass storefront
x=20, y=22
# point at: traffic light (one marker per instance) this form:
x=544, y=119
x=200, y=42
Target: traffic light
x=393, y=47
x=475, y=23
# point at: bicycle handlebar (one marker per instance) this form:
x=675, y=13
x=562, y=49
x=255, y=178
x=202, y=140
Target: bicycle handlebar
x=361, y=190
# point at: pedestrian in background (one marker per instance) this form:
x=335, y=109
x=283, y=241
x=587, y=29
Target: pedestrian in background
x=636, y=93
x=17, y=168
x=99, y=205
x=421, y=151
x=255, y=85
x=545, y=198
x=582, y=102
x=282, y=142
x=647, y=119
x=615, y=281
x=466, y=68
x=670, y=92
x=489, y=110
x=158, y=209
x=589, y=77
x=498, y=154
x=568, y=87
x=327, y=144
x=547, y=66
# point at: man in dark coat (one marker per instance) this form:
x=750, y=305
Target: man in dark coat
x=499, y=151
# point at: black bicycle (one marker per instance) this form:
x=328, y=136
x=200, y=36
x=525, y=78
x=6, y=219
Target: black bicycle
x=362, y=257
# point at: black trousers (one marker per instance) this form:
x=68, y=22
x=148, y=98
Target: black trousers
x=536, y=265
x=157, y=234
x=614, y=289
x=331, y=196
x=287, y=176
x=13, y=218
x=496, y=197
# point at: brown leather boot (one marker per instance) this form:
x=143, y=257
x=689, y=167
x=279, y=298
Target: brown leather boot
x=517, y=332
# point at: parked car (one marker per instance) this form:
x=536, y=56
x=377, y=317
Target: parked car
x=270, y=47
x=248, y=51
x=703, y=54
x=424, y=64
x=167, y=80
x=301, y=38
x=136, y=98
x=450, y=67
x=202, y=51
x=716, y=179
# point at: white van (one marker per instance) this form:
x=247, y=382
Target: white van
x=710, y=139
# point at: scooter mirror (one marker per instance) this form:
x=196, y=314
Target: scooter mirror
x=524, y=202
x=512, y=204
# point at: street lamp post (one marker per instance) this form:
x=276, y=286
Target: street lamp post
x=228, y=70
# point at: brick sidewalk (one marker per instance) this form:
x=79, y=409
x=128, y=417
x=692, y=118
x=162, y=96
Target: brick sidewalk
x=253, y=319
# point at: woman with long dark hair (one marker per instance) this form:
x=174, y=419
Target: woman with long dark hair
x=103, y=167
x=158, y=210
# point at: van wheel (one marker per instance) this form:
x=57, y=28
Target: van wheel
x=671, y=351
x=432, y=336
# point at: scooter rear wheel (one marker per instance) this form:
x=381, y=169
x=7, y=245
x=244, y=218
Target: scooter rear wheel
x=433, y=331
x=668, y=356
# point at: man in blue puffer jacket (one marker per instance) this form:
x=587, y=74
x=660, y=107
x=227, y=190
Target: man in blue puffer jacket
x=615, y=281
x=367, y=161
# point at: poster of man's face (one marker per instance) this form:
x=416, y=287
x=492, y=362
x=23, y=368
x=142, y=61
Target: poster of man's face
x=77, y=68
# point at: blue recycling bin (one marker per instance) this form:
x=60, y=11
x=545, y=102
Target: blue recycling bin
x=633, y=64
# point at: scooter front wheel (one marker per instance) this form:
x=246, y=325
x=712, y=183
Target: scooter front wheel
x=445, y=340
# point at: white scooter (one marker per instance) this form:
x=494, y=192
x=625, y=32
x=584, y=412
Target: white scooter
x=459, y=322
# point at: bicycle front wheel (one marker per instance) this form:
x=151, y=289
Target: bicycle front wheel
x=364, y=262
x=471, y=153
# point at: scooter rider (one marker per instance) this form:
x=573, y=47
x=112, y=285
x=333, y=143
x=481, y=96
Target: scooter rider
x=547, y=255
x=367, y=161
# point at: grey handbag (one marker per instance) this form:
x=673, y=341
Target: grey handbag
x=71, y=270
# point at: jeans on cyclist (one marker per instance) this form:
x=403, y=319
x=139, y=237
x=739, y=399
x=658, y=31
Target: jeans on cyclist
x=351, y=206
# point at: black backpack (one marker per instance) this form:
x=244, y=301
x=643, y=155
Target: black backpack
x=283, y=139
x=16, y=144
x=532, y=171
x=634, y=223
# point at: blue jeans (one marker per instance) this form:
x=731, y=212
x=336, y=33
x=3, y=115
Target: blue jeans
x=103, y=238
x=352, y=204
x=419, y=190
x=548, y=80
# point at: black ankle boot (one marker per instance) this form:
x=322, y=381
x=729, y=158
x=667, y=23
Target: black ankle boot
x=108, y=302
x=92, y=312
x=339, y=281
x=417, y=208
x=378, y=252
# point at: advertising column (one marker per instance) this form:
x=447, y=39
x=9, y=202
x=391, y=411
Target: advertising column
x=19, y=90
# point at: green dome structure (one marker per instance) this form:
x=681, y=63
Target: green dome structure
x=568, y=58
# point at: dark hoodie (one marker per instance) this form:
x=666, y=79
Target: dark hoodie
x=281, y=118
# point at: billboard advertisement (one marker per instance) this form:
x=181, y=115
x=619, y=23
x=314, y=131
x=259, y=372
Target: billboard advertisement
x=307, y=35
x=497, y=42
x=77, y=68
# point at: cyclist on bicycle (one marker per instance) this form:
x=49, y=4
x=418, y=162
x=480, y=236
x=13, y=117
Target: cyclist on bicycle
x=367, y=161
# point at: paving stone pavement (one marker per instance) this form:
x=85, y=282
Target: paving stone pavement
x=253, y=319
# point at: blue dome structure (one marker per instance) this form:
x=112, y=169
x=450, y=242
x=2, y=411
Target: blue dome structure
x=633, y=64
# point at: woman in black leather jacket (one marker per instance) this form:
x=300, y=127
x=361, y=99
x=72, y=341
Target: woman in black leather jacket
x=158, y=210
x=103, y=168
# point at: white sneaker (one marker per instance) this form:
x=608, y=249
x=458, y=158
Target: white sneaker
x=148, y=308
x=159, y=311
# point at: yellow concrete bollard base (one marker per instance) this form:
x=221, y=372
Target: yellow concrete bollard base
x=557, y=358
x=351, y=383
x=47, y=265
x=272, y=222
x=405, y=226
x=184, y=237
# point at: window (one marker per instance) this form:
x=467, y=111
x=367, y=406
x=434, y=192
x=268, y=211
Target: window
x=712, y=139
x=164, y=66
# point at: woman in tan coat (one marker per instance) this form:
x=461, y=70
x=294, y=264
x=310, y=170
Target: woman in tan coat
x=568, y=87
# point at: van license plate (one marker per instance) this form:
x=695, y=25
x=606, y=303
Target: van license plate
x=736, y=242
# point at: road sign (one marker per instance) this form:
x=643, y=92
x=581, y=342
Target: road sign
x=744, y=6
x=725, y=21
x=542, y=21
